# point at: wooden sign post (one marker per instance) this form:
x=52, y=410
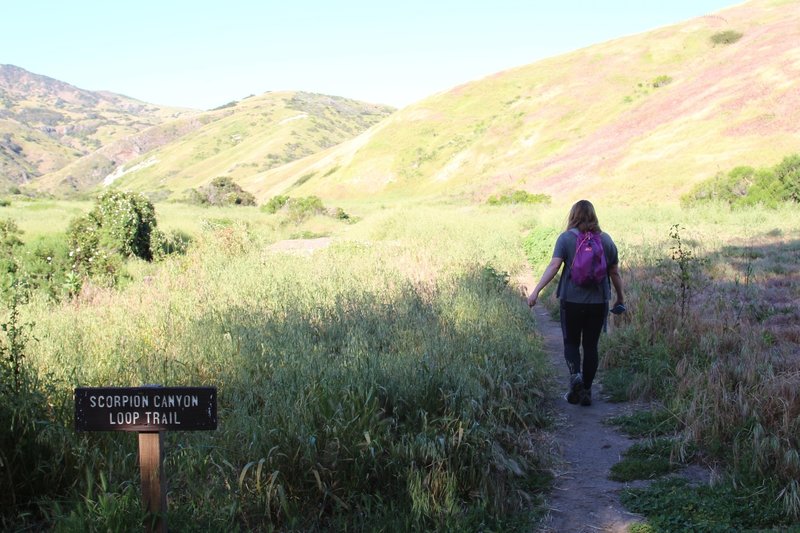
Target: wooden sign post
x=150, y=411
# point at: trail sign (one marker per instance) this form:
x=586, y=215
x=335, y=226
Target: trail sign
x=145, y=408
x=151, y=411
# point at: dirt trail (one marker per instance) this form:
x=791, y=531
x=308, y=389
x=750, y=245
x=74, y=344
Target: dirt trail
x=583, y=498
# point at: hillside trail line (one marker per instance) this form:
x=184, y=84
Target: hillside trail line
x=583, y=498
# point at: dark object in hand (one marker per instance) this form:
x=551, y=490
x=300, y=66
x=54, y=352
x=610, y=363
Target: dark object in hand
x=618, y=309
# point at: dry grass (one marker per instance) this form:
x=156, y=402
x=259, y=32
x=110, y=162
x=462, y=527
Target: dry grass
x=730, y=366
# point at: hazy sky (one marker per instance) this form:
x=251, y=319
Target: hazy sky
x=203, y=54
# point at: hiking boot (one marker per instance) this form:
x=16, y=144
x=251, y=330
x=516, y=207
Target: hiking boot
x=586, y=397
x=575, y=388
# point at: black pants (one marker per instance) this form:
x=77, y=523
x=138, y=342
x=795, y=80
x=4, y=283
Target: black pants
x=581, y=325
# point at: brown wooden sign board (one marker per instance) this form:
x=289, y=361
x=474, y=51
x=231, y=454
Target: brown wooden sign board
x=145, y=409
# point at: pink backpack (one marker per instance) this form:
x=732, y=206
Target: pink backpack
x=589, y=266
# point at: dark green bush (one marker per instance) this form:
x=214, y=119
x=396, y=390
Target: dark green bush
x=302, y=208
x=232, y=103
x=305, y=207
x=121, y=225
x=31, y=464
x=172, y=242
x=127, y=222
x=744, y=186
x=193, y=196
x=221, y=191
x=304, y=178
x=661, y=81
x=518, y=197
x=787, y=173
x=297, y=209
x=275, y=204
x=9, y=244
x=341, y=214
x=46, y=265
x=726, y=37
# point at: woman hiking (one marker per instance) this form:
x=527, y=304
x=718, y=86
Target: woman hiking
x=584, y=292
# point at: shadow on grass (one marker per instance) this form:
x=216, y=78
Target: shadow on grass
x=714, y=339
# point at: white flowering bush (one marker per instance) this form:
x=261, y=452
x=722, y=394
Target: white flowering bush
x=122, y=224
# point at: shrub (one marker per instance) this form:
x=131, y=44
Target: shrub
x=173, y=242
x=5, y=202
x=304, y=207
x=745, y=186
x=519, y=197
x=45, y=265
x=340, y=214
x=121, y=225
x=232, y=103
x=9, y=244
x=661, y=81
x=42, y=265
x=193, y=196
x=275, y=204
x=304, y=178
x=220, y=192
x=128, y=221
x=32, y=466
x=726, y=37
x=787, y=173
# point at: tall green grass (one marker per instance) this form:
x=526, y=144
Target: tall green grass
x=392, y=380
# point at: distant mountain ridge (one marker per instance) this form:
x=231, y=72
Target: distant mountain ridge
x=62, y=140
x=45, y=123
x=249, y=136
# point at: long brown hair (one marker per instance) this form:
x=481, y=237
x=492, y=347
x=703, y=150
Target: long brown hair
x=583, y=217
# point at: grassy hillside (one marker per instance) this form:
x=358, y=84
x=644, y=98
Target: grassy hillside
x=639, y=118
x=255, y=135
x=45, y=123
x=109, y=162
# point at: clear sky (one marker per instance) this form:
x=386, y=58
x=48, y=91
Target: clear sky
x=203, y=54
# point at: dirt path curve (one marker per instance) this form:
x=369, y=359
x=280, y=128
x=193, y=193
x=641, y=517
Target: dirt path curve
x=583, y=498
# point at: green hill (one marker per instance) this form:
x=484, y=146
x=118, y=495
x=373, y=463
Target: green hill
x=109, y=162
x=640, y=118
x=637, y=119
x=45, y=124
x=238, y=141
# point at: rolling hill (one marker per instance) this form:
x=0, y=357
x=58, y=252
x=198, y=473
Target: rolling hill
x=637, y=119
x=89, y=171
x=58, y=139
x=253, y=136
x=45, y=124
x=640, y=118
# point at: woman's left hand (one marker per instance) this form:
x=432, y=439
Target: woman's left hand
x=532, y=299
